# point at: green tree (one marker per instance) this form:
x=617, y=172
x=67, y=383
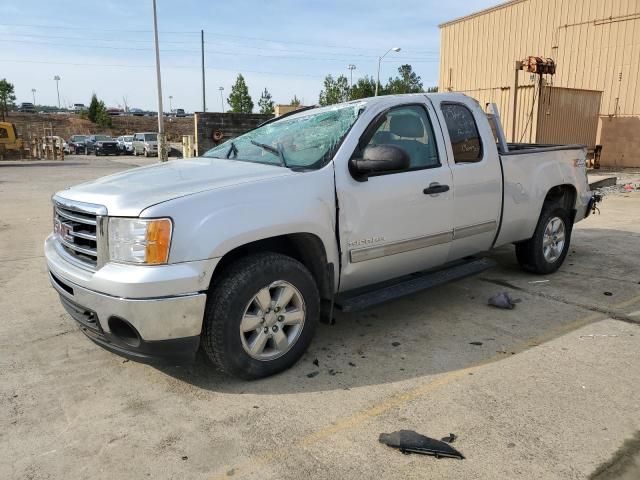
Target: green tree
x=97, y=112
x=239, y=99
x=266, y=103
x=406, y=82
x=7, y=97
x=335, y=90
x=431, y=90
x=295, y=101
x=363, y=88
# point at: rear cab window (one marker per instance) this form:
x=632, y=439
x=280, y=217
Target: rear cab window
x=463, y=133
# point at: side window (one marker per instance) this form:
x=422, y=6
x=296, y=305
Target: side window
x=4, y=133
x=463, y=132
x=409, y=128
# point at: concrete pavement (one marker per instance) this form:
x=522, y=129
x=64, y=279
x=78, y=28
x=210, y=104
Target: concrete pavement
x=551, y=392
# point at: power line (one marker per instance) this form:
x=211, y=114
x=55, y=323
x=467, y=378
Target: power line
x=190, y=42
x=176, y=32
x=123, y=65
x=214, y=52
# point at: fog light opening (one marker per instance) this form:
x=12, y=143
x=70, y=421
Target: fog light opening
x=123, y=331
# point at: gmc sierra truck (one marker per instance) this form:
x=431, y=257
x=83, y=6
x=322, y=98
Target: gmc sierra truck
x=242, y=251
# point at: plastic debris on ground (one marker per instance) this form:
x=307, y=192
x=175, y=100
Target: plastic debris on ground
x=408, y=441
x=503, y=300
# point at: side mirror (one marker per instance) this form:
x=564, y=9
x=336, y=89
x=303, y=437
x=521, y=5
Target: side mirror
x=379, y=159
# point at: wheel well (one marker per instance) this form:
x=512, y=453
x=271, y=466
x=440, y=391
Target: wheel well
x=307, y=248
x=564, y=195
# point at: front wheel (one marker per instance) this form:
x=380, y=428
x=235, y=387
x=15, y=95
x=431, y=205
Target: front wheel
x=261, y=316
x=546, y=250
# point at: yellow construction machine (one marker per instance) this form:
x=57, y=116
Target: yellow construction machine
x=11, y=145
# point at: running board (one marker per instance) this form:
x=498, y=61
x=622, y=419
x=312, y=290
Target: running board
x=383, y=292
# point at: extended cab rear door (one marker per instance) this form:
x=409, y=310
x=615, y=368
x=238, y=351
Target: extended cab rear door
x=477, y=177
x=390, y=225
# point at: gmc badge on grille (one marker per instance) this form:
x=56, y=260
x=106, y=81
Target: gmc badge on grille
x=65, y=231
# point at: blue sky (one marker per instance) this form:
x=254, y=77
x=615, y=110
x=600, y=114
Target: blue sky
x=284, y=45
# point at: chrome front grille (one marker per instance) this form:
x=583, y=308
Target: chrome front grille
x=77, y=229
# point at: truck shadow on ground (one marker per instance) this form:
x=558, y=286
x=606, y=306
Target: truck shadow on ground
x=450, y=327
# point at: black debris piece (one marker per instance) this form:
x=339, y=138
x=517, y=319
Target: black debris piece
x=312, y=374
x=184, y=457
x=316, y=362
x=502, y=300
x=608, y=294
x=449, y=438
x=351, y=364
x=408, y=441
x=396, y=344
x=475, y=343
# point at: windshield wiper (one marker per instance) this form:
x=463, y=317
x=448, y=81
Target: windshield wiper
x=279, y=152
x=232, y=149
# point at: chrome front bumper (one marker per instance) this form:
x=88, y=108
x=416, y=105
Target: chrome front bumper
x=160, y=302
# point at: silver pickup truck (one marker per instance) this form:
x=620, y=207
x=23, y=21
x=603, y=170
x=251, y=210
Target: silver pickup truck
x=242, y=251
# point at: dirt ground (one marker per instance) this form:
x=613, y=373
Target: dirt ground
x=549, y=390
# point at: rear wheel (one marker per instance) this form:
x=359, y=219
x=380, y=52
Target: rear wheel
x=261, y=316
x=546, y=250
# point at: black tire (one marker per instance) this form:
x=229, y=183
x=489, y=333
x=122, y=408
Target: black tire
x=530, y=252
x=226, y=304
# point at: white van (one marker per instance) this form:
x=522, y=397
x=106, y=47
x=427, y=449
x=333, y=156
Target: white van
x=145, y=143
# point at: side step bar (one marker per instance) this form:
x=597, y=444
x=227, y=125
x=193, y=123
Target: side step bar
x=383, y=292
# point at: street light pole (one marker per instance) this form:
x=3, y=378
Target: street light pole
x=351, y=68
x=162, y=150
x=395, y=49
x=221, y=98
x=57, y=79
x=33, y=92
x=170, y=104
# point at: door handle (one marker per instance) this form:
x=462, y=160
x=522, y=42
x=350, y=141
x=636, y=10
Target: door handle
x=435, y=188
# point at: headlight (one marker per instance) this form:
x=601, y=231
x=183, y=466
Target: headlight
x=135, y=240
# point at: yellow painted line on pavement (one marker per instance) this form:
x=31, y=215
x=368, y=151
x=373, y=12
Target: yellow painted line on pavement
x=402, y=398
x=627, y=303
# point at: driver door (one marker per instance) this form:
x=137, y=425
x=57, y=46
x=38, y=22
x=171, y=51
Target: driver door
x=392, y=224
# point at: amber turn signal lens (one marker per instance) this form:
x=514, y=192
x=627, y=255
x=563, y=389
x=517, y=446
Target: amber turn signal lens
x=158, y=241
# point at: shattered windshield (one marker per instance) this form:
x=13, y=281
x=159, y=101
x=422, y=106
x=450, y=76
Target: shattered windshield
x=305, y=141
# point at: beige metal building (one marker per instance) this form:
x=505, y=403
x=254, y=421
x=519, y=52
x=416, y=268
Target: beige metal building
x=596, y=47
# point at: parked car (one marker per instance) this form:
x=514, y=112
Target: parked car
x=100, y=145
x=256, y=241
x=145, y=143
x=76, y=144
x=27, y=107
x=178, y=112
x=125, y=145
x=78, y=107
x=137, y=112
x=114, y=111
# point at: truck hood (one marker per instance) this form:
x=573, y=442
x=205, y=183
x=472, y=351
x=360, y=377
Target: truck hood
x=129, y=193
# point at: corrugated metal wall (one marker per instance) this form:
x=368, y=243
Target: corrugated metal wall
x=567, y=115
x=595, y=43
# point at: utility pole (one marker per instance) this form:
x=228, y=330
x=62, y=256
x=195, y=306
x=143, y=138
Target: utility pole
x=221, y=98
x=170, y=104
x=57, y=79
x=33, y=92
x=204, y=101
x=351, y=68
x=162, y=148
